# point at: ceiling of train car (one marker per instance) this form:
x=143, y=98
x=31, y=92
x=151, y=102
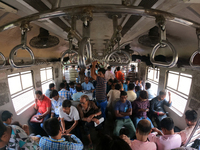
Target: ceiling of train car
x=183, y=38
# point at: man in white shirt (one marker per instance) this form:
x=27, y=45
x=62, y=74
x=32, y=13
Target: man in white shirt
x=191, y=120
x=56, y=103
x=131, y=95
x=168, y=139
x=149, y=91
x=69, y=118
x=109, y=74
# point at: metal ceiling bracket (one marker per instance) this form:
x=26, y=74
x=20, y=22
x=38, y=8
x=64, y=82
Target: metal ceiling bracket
x=197, y=51
x=25, y=27
x=163, y=42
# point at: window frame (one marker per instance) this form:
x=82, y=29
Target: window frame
x=176, y=91
x=22, y=91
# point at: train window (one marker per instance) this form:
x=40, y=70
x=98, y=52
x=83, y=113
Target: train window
x=21, y=90
x=153, y=78
x=46, y=75
x=179, y=85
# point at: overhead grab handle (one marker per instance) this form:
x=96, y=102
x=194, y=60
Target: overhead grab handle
x=4, y=60
x=84, y=47
x=68, y=52
x=197, y=52
x=24, y=29
x=163, y=42
x=128, y=60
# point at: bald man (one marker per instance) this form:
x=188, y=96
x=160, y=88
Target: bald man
x=87, y=86
x=142, y=131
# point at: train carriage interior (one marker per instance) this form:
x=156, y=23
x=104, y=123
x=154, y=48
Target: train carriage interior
x=59, y=41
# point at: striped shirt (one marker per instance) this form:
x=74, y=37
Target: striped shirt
x=61, y=144
x=101, y=89
x=64, y=93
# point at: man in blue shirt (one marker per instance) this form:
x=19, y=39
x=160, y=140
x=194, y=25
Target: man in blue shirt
x=149, y=91
x=157, y=106
x=56, y=103
x=55, y=140
x=87, y=86
x=76, y=96
x=51, y=88
x=72, y=88
x=123, y=109
x=125, y=85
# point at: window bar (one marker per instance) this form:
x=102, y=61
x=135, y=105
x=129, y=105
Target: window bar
x=178, y=81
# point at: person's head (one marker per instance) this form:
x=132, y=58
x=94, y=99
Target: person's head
x=78, y=85
x=137, y=88
x=55, y=95
x=123, y=96
x=110, y=81
x=78, y=88
x=4, y=135
x=143, y=128
x=136, y=81
x=109, y=68
x=132, y=67
x=101, y=72
x=147, y=85
x=39, y=95
x=131, y=86
x=62, y=85
x=115, y=81
x=127, y=80
x=143, y=95
x=86, y=79
x=84, y=100
x=6, y=117
x=118, y=86
x=191, y=117
x=162, y=95
x=71, y=84
x=51, y=86
x=118, y=68
x=52, y=127
x=167, y=125
x=66, y=106
x=112, y=143
x=66, y=68
x=73, y=66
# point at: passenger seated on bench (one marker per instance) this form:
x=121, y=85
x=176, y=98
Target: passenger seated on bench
x=168, y=139
x=48, y=91
x=6, y=117
x=55, y=140
x=142, y=131
x=89, y=113
x=69, y=117
x=87, y=86
x=72, y=88
x=131, y=95
x=63, y=92
x=14, y=137
x=157, y=106
x=137, y=91
x=43, y=107
x=56, y=103
x=123, y=109
x=112, y=143
x=191, y=120
x=140, y=108
x=76, y=96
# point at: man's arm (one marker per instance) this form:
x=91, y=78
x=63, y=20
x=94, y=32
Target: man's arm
x=52, y=110
x=47, y=112
x=170, y=101
x=73, y=126
x=77, y=145
x=127, y=113
x=36, y=107
x=63, y=124
x=117, y=114
x=93, y=74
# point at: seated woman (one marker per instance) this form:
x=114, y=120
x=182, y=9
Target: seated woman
x=89, y=115
x=140, y=108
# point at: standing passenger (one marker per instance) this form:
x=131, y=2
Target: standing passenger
x=119, y=75
x=56, y=103
x=43, y=107
x=63, y=92
x=100, y=87
x=125, y=85
x=149, y=91
x=109, y=74
x=48, y=91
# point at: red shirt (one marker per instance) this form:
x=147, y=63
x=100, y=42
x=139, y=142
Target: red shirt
x=120, y=76
x=44, y=104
